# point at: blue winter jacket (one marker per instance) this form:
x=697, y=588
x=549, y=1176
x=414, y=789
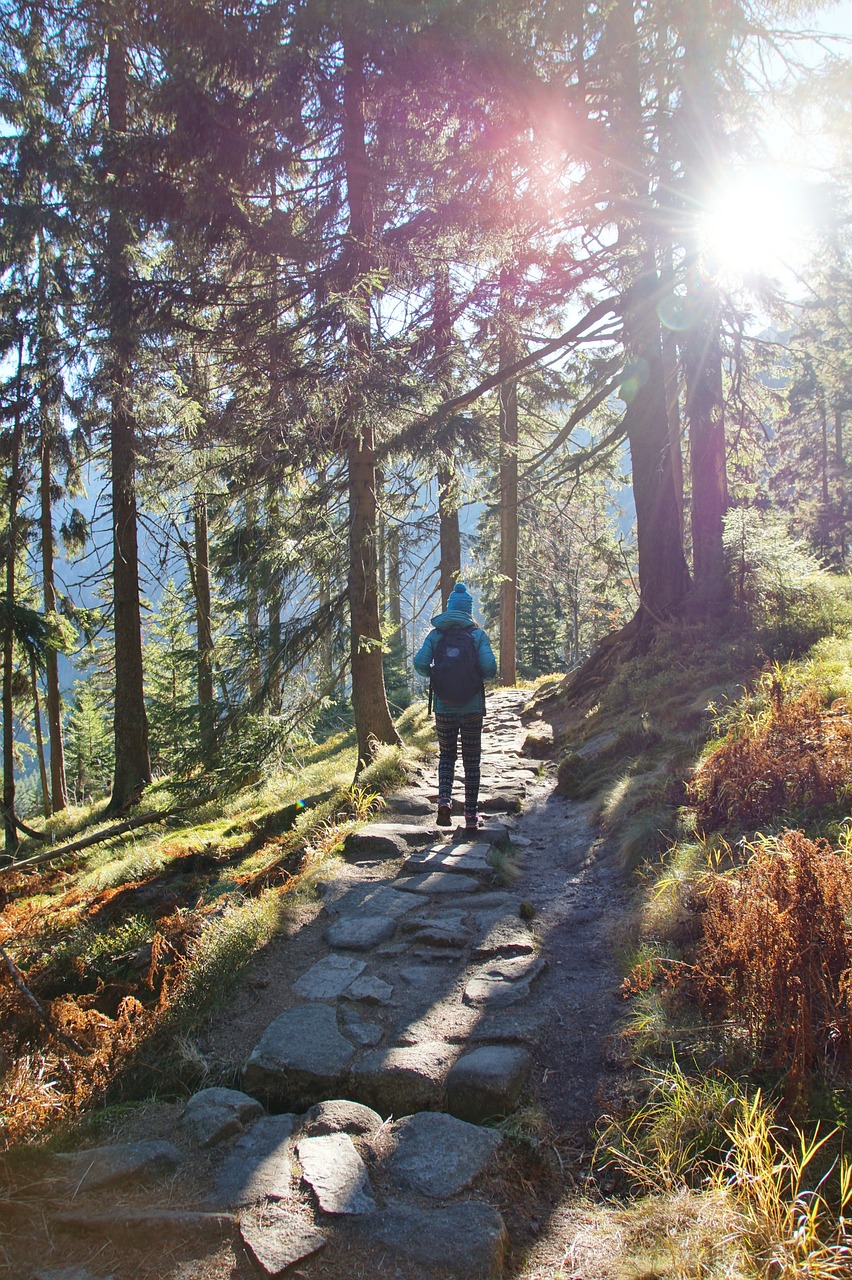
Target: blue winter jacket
x=487, y=661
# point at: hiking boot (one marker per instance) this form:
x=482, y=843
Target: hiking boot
x=473, y=822
x=445, y=817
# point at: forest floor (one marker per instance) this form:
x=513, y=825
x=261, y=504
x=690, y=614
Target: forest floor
x=572, y=877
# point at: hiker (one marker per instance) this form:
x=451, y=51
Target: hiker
x=456, y=658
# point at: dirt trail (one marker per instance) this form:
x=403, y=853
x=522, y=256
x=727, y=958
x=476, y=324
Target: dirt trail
x=570, y=876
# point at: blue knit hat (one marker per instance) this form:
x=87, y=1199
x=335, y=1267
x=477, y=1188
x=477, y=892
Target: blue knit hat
x=460, y=600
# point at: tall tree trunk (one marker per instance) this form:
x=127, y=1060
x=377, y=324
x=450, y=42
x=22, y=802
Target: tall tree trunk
x=663, y=575
x=373, y=723
x=701, y=149
x=203, y=620
x=449, y=532
x=395, y=585
x=9, y=828
x=132, y=761
x=39, y=737
x=508, y=419
x=58, y=785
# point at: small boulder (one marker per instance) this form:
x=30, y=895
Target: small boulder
x=438, y=1155
x=340, y=1116
x=211, y=1115
x=487, y=1082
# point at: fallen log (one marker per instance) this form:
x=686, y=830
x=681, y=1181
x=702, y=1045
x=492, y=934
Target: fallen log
x=85, y=842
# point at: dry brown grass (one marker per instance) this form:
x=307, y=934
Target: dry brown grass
x=798, y=755
x=775, y=956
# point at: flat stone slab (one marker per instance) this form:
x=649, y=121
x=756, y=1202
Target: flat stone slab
x=376, y=898
x=487, y=1082
x=123, y=1223
x=339, y=1115
x=523, y=1026
x=437, y=1155
x=370, y=990
x=258, y=1165
x=278, y=1238
x=402, y=1079
x=467, y=1239
x=505, y=936
x=360, y=1031
x=437, y=884
x=329, y=977
x=300, y=1053
x=503, y=982
x=336, y=1173
x=359, y=933
x=211, y=1115
x=434, y=935
x=120, y=1162
x=471, y=859
x=385, y=840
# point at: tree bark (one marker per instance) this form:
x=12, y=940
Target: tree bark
x=132, y=761
x=663, y=574
x=39, y=737
x=701, y=149
x=9, y=825
x=58, y=783
x=449, y=532
x=373, y=723
x=508, y=421
x=203, y=620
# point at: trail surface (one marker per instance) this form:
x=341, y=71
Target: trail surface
x=443, y=981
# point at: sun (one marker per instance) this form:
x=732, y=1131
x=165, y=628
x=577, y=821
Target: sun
x=753, y=228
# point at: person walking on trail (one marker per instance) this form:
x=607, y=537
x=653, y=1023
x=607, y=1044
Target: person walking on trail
x=456, y=658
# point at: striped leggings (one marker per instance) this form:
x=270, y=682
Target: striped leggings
x=448, y=728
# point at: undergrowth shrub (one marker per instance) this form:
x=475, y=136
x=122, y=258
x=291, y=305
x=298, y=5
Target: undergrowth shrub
x=775, y=956
x=795, y=755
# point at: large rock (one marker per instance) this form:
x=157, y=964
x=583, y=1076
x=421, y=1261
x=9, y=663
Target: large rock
x=277, y=1238
x=258, y=1165
x=121, y=1162
x=385, y=840
x=404, y=1079
x=211, y=1115
x=375, y=898
x=359, y=933
x=329, y=977
x=468, y=1239
x=300, y=1056
x=487, y=1082
x=437, y=1155
x=338, y=1176
x=539, y=743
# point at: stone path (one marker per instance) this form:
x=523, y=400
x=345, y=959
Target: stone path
x=361, y=1106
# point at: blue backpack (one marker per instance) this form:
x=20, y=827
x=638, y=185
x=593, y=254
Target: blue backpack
x=455, y=674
